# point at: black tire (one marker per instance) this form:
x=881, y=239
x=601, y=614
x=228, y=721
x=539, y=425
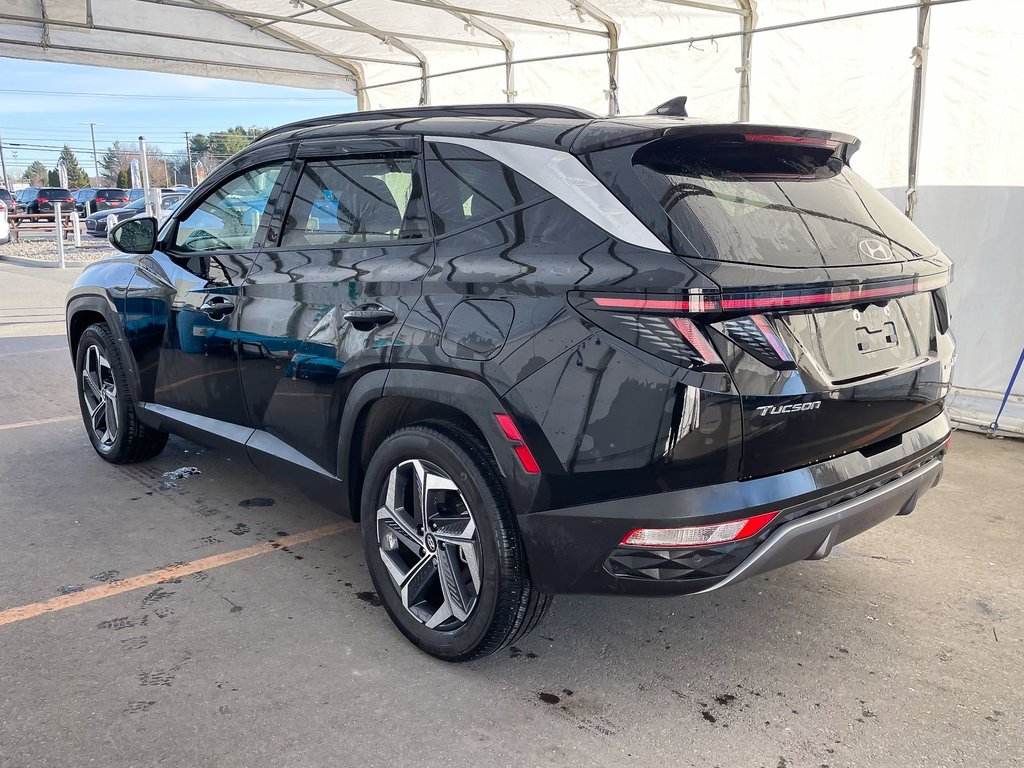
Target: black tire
x=130, y=440
x=507, y=605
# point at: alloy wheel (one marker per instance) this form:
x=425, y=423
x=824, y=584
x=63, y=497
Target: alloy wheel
x=100, y=393
x=429, y=544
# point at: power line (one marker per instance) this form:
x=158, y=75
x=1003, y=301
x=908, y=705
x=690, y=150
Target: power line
x=91, y=95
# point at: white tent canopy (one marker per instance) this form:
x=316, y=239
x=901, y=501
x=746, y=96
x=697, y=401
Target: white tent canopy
x=763, y=60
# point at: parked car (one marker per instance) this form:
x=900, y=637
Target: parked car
x=40, y=200
x=22, y=196
x=7, y=199
x=533, y=351
x=137, y=192
x=90, y=200
x=98, y=224
x=5, y=224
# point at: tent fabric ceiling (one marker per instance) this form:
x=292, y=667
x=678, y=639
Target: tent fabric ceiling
x=350, y=45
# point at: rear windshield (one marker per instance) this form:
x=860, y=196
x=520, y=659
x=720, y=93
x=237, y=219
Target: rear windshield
x=111, y=193
x=53, y=192
x=778, y=204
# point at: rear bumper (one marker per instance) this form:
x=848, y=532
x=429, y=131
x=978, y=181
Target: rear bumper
x=577, y=549
x=813, y=537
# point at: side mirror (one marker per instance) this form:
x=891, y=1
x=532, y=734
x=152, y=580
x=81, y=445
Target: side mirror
x=135, y=235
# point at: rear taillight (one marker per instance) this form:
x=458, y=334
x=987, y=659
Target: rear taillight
x=676, y=339
x=757, y=336
x=42, y=199
x=124, y=199
x=698, y=535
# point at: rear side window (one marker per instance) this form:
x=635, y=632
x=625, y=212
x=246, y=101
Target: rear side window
x=354, y=200
x=466, y=187
x=778, y=204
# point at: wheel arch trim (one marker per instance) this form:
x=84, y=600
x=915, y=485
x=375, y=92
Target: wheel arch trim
x=103, y=306
x=466, y=395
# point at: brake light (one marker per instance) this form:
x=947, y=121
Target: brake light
x=124, y=199
x=42, y=199
x=775, y=138
x=519, y=447
x=698, y=535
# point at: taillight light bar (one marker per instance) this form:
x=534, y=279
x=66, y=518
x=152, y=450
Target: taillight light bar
x=701, y=302
x=698, y=535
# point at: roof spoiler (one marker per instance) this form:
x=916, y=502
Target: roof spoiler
x=781, y=135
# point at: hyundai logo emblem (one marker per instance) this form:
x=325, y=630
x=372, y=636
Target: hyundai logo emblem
x=875, y=249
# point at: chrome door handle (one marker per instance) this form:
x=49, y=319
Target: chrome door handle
x=217, y=307
x=369, y=316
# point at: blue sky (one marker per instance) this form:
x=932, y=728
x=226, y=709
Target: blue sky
x=46, y=117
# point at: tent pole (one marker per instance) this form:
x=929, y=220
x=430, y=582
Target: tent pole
x=584, y=6
x=917, y=106
x=747, y=25
x=510, y=74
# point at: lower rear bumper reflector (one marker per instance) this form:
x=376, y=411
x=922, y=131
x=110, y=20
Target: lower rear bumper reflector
x=699, y=535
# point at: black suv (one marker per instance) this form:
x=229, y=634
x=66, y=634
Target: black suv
x=535, y=351
x=91, y=200
x=40, y=200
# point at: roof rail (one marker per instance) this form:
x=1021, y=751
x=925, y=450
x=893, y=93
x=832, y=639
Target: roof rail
x=458, y=110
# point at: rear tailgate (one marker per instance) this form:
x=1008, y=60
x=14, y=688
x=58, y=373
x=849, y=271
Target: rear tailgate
x=823, y=381
x=831, y=316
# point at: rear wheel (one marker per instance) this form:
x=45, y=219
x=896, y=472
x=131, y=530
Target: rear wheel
x=107, y=408
x=442, y=545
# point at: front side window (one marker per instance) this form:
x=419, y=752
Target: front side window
x=352, y=201
x=229, y=218
x=467, y=187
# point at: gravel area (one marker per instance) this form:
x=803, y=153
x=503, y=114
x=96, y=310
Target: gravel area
x=43, y=248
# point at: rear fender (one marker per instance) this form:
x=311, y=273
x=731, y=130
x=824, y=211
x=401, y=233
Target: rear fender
x=471, y=398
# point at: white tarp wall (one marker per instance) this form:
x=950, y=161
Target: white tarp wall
x=853, y=75
x=971, y=196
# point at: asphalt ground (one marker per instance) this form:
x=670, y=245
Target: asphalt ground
x=146, y=621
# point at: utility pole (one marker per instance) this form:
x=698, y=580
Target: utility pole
x=95, y=161
x=3, y=164
x=188, y=151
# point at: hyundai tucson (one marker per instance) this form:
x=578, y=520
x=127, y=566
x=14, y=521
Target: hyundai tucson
x=534, y=351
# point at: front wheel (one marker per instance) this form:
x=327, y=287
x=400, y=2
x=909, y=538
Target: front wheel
x=442, y=545
x=107, y=407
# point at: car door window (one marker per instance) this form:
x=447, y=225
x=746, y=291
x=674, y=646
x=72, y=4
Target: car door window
x=229, y=218
x=354, y=201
